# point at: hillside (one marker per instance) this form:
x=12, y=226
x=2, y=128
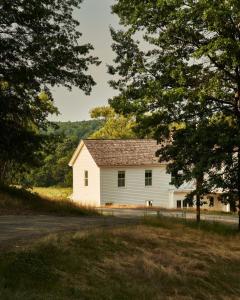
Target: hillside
x=80, y=129
x=54, y=170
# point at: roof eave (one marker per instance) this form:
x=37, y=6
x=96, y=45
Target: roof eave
x=135, y=165
x=76, y=153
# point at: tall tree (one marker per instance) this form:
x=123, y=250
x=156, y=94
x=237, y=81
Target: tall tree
x=190, y=67
x=40, y=47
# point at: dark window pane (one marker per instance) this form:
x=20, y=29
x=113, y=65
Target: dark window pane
x=86, y=178
x=121, y=178
x=148, y=177
x=179, y=203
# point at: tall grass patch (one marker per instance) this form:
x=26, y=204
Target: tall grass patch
x=15, y=200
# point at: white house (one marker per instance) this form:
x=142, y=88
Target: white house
x=126, y=172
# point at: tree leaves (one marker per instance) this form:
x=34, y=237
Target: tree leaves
x=40, y=47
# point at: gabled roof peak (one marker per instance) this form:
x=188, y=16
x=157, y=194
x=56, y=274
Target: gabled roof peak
x=120, y=152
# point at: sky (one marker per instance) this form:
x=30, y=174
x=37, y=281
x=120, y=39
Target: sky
x=95, y=19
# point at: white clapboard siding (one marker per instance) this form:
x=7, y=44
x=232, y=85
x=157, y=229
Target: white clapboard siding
x=135, y=192
x=86, y=195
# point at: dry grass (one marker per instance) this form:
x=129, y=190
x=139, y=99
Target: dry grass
x=160, y=259
x=19, y=201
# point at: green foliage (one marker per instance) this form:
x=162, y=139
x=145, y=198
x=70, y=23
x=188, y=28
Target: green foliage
x=188, y=72
x=116, y=126
x=54, y=169
x=40, y=47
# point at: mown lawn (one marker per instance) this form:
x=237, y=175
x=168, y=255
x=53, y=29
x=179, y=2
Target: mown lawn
x=14, y=200
x=158, y=259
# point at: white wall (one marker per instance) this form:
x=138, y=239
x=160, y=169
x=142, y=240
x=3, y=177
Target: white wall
x=135, y=192
x=86, y=195
x=218, y=206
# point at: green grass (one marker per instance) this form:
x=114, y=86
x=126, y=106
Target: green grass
x=53, y=192
x=160, y=259
x=15, y=200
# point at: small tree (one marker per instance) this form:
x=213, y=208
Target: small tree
x=190, y=156
x=116, y=126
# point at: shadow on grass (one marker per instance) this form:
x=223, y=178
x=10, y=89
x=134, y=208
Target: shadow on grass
x=208, y=226
x=19, y=200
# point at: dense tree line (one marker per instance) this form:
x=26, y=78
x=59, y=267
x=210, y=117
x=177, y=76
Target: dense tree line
x=54, y=169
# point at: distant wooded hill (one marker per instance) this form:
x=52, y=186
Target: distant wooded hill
x=54, y=170
x=80, y=129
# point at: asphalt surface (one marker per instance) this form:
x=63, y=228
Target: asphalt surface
x=21, y=228
x=134, y=213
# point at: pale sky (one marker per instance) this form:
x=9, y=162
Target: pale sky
x=95, y=18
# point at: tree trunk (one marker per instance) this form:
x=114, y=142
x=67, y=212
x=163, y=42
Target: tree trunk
x=3, y=167
x=237, y=101
x=238, y=188
x=198, y=208
x=238, y=212
x=199, y=183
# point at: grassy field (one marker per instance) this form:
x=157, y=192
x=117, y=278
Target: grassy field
x=159, y=259
x=45, y=201
x=53, y=192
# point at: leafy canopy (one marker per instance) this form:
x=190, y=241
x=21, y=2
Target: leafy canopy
x=177, y=62
x=116, y=126
x=40, y=47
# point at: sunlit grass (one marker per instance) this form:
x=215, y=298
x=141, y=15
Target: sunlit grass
x=19, y=201
x=159, y=259
x=53, y=192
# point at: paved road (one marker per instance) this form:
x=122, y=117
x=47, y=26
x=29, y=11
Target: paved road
x=20, y=228
x=127, y=212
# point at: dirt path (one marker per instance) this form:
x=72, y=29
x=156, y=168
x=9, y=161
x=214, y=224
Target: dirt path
x=22, y=228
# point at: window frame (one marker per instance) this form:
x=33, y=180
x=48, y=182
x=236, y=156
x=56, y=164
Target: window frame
x=121, y=181
x=86, y=177
x=148, y=179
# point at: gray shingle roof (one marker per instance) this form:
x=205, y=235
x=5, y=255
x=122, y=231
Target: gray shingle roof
x=130, y=152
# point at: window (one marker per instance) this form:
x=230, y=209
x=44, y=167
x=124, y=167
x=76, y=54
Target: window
x=121, y=178
x=211, y=201
x=148, y=177
x=85, y=178
x=179, y=204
